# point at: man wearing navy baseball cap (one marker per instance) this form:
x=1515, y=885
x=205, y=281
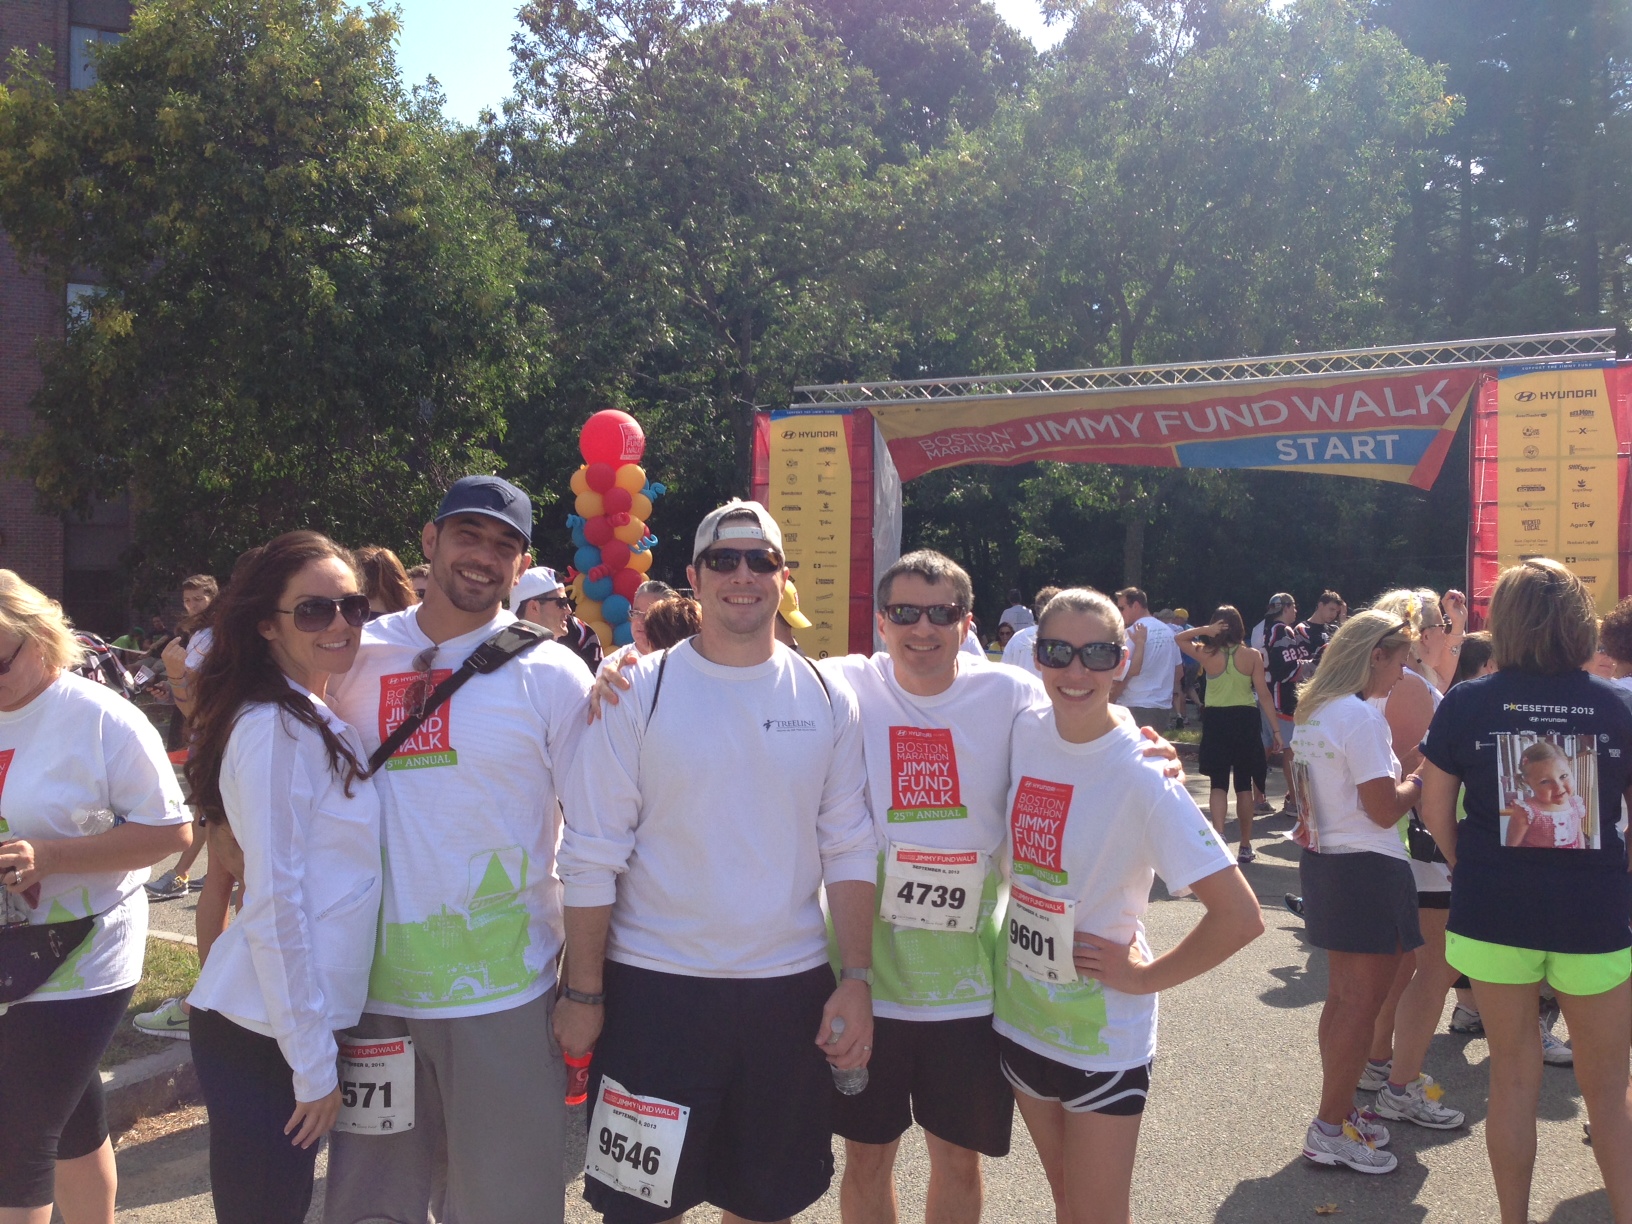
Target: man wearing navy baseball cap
x=470, y=920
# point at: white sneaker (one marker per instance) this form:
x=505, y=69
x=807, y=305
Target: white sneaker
x=1419, y=1103
x=1347, y=1148
x=1555, y=1052
x=168, y=1019
x=1371, y=1129
x=1375, y=1078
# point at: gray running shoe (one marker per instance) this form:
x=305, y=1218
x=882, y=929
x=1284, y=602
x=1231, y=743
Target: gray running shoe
x=1555, y=1052
x=168, y=887
x=1347, y=1148
x=1465, y=1020
x=1375, y=1078
x=168, y=1019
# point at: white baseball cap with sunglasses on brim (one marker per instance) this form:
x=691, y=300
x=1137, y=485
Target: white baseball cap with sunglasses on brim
x=534, y=584
x=742, y=524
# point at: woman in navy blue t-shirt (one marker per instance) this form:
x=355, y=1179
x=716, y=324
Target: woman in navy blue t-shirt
x=1539, y=884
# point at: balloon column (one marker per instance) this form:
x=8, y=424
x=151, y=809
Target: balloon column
x=614, y=500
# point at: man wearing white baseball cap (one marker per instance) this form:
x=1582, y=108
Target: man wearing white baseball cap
x=705, y=812
x=538, y=596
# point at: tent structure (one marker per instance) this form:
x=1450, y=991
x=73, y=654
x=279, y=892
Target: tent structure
x=831, y=464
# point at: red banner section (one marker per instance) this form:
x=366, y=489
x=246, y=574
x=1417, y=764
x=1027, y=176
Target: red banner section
x=1394, y=427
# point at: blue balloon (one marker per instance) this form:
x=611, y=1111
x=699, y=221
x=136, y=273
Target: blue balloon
x=597, y=589
x=578, y=536
x=615, y=609
x=586, y=558
x=622, y=635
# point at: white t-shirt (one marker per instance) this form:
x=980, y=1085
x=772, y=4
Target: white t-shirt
x=198, y=645
x=1017, y=615
x=937, y=778
x=710, y=822
x=1094, y=824
x=294, y=963
x=1019, y=652
x=470, y=920
x=971, y=646
x=1342, y=744
x=1152, y=684
x=77, y=751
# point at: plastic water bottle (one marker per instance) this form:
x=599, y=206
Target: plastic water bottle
x=853, y=1081
x=91, y=821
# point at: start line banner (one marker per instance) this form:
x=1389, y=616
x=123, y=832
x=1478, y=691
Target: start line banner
x=1395, y=427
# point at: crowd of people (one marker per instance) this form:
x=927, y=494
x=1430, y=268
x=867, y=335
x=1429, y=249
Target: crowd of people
x=742, y=901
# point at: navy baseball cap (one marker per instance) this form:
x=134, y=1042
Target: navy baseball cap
x=492, y=496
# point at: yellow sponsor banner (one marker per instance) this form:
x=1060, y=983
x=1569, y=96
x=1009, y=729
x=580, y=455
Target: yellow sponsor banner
x=1557, y=480
x=809, y=489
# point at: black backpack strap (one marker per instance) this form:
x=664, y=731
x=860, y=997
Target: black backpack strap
x=820, y=679
x=658, y=690
x=514, y=639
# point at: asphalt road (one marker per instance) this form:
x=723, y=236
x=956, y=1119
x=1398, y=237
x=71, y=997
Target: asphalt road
x=1235, y=1084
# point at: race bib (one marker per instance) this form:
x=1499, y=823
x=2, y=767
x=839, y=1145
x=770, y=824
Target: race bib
x=938, y=889
x=635, y=1142
x=377, y=1086
x=1041, y=933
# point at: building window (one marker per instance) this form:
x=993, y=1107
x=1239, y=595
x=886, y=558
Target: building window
x=79, y=306
x=82, y=42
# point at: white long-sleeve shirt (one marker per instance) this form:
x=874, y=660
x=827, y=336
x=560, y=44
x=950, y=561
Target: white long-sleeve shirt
x=294, y=963
x=710, y=823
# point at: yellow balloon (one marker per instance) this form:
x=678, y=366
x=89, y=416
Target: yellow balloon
x=640, y=507
x=603, y=631
x=590, y=505
x=631, y=533
x=577, y=588
x=587, y=610
x=579, y=483
x=640, y=562
x=630, y=476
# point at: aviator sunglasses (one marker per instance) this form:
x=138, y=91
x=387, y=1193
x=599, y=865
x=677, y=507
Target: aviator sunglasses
x=726, y=560
x=1095, y=656
x=316, y=614
x=940, y=615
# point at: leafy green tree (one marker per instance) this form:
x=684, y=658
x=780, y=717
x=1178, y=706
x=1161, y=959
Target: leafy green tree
x=305, y=311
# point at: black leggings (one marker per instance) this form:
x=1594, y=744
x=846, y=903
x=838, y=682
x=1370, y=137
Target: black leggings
x=51, y=1105
x=257, y=1176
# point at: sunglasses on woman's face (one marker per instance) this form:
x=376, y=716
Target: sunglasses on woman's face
x=316, y=614
x=6, y=666
x=1095, y=656
x=940, y=615
x=726, y=560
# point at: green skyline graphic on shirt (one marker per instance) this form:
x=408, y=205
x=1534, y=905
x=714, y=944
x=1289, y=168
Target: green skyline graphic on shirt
x=1070, y=1015
x=452, y=959
x=68, y=976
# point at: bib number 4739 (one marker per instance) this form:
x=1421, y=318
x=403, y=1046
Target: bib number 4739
x=932, y=888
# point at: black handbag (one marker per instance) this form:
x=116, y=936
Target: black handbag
x=1420, y=843
x=30, y=954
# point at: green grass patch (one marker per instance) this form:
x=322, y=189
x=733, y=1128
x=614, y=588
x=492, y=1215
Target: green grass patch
x=1185, y=735
x=168, y=973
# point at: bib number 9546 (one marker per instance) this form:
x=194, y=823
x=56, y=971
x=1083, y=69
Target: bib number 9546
x=635, y=1142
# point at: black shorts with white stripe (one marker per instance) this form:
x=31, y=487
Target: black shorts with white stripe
x=1118, y=1093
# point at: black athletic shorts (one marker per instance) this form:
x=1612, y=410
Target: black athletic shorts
x=1361, y=902
x=742, y=1054
x=943, y=1073
x=1120, y=1094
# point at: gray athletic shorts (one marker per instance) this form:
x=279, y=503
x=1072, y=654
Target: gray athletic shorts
x=1365, y=902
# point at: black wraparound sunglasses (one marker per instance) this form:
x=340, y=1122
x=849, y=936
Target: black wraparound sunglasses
x=1095, y=656
x=940, y=615
x=726, y=560
x=316, y=614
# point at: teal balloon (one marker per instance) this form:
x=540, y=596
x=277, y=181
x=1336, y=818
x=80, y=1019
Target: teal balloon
x=615, y=609
x=623, y=635
x=586, y=558
x=597, y=588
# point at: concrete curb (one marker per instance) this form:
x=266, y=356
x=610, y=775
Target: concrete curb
x=153, y=1084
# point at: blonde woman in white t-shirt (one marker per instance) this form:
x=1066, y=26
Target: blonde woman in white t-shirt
x=1360, y=900
x=1091, y=823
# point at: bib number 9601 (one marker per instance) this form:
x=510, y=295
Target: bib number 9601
x=1041, y=936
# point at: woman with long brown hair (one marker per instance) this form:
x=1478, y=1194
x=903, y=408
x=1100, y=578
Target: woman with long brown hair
x=385, y=582
x=287, y=778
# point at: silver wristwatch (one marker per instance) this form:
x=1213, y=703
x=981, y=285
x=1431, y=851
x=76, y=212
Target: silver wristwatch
x=857, y=975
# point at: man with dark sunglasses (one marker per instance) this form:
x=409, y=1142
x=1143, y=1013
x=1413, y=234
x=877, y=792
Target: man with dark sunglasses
x=470, y=923
x=705, y=813
x=539, y=597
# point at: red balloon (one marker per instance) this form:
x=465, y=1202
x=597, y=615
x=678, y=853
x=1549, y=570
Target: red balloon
x=599, y=530
x=626, y=581
x=616, y=500
x=612, y=437
x=614, y=555
x=600, y=476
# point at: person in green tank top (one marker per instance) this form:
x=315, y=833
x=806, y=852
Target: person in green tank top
x=1229, y=722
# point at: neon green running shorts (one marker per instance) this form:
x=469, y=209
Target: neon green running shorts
x=1572, y=973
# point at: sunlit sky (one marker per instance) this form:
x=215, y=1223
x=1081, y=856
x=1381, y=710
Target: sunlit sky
x=465, y=45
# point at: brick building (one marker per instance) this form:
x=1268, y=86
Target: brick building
x=77, y=562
